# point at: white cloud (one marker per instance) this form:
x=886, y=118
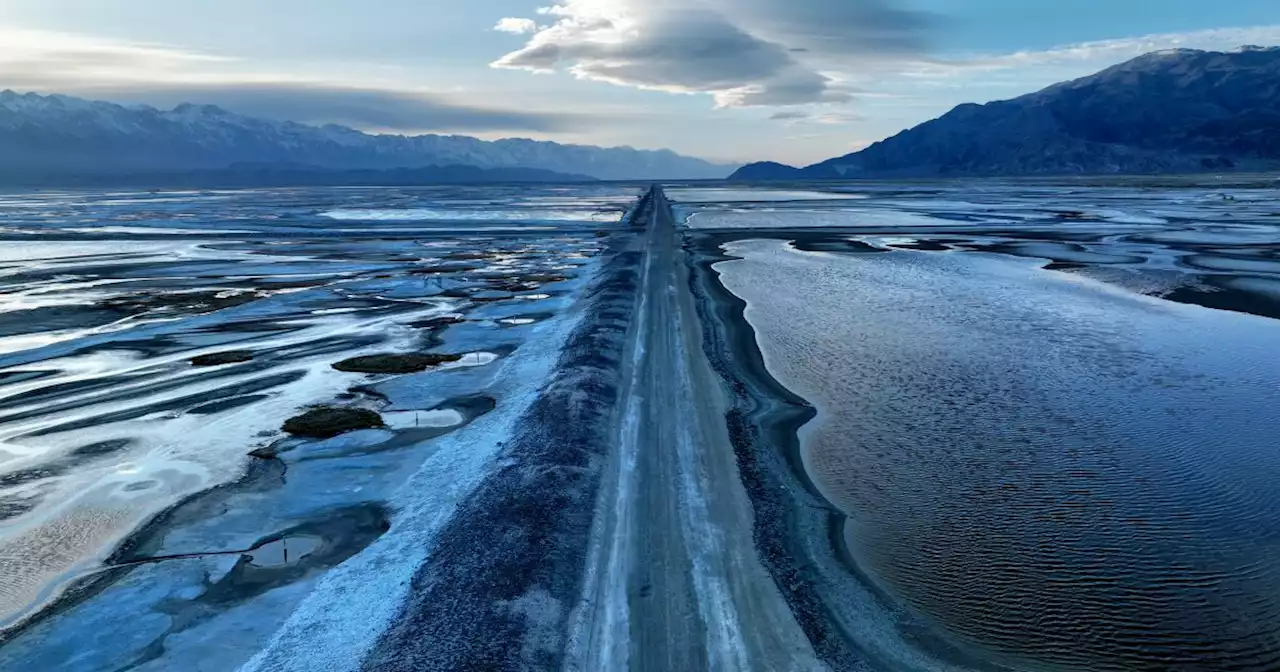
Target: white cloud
x=516, y=26
x=1113, y=51
x=815, y=53
x=794, y=117
x=37, y=56
x=1088, y=57
x=913, y=88
x=94, y=67
x=742, y=52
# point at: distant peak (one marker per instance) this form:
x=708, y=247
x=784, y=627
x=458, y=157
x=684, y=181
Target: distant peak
x=213, y=137
x=194, y=109
x=1250, y=48
x=36, y=101
x=1166, y=53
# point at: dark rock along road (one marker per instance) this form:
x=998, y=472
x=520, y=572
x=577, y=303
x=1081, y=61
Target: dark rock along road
x=619, y=534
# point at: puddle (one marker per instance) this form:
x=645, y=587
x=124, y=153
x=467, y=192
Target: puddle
x=440, y=418
x=282, y=552
x=471, y=359
x=337, y=311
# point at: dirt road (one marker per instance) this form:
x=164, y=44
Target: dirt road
x=673, y=581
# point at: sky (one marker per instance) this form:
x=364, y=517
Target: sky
x=796, y=81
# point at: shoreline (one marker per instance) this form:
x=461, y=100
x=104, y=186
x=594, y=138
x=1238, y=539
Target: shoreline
x=763, y=420
x=673, y=579
x=799, y=533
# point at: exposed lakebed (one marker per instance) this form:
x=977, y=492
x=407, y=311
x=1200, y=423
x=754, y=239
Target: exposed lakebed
x=931, y=426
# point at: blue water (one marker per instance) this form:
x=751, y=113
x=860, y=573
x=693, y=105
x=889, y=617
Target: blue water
x=1052, y=472
x=105, y=298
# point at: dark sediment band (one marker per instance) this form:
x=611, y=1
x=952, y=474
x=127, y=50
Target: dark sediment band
x=763, y=419
x=799, y=534
x=1215, y=294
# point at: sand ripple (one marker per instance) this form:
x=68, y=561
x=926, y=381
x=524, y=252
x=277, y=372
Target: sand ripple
x=1056, y=474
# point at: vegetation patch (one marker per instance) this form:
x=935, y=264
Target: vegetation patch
x=444, y=268
x=329, y=421
x=524, y=283
x=471, y=256
x=395, y=363
x=1072, y=215
x=437, y=322
x=220, y=358
x=181, y=302
x=544, y=278
x=276, y=285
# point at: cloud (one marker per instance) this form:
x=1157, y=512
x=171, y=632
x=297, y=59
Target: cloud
x=850, y=27
x=34, y=56
x=1112, y=51
x=163, y=75
x=516, y=26
x=378, y=110
x=825, y=118
x=912, y=88
x=742, y=52
x=1087, y=57
x=835, y=118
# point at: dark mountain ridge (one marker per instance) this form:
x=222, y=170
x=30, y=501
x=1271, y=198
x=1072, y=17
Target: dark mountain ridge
x=60, y=136
x=290, y=175
x=1181, y=110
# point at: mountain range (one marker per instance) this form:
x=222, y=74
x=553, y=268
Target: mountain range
x=1181, y=110
x=57, y=139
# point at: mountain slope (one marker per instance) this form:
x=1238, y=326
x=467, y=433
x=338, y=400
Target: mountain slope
x=60, y=135
x=1170, y=111
x=766, y=170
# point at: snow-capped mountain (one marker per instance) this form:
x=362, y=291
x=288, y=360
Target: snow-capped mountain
x=53, y=135
x=1179, y=110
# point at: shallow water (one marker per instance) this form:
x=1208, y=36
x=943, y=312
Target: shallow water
x=106, y=297
x=1054, y=472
